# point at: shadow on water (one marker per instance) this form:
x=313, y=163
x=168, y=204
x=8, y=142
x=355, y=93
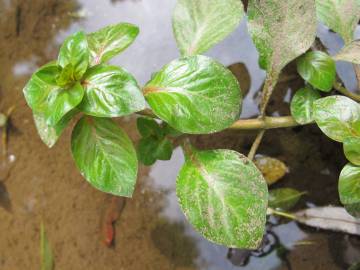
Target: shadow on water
x=152, y=230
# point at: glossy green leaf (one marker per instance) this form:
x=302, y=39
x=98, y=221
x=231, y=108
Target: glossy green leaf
x=110, y=41
x=317, y=68
x=352, y=149
x=75, y=52
x=301, y=105
x=110, y=91
x=224, y=196
x=350, y=53
x=149, y=127
x=195, y=95
x=349, y=184
x=170, y=131
x=66, y=76
x=50, y=134
x=341, y=16
x=338, y=117
x=44, y=96
x=284, y=198
x=151, y=149
x=199, y=25
x=278, y=30
x=105, y=155
x=46, y=255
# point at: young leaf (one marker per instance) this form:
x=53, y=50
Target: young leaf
x=50, y=134
x=66, y=76
x=341, y=16
x=199, y=25
x=75, y=52
x=46, y=255
x=271, y=168
x=278, y=30
x=105, y=155
x=224, y=196
x=151, y=149
x=350, y=53
x=44, y=96
x=110, y=91
x=195, y=95
x=149, y=127
x=317, y=68
x=302, y=105
x=352, y=149
x=110, y=41
x=338, y=117
x=284, y=198
x=349, y=185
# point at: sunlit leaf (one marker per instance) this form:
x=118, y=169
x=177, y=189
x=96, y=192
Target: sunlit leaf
x=195, y=95
x=350, y=53
x=105, y=155
x=110, y=91
x=301, y=105
x=284, y=198
x=317, y=68
x=352, y=149
x=349, y=186
x=109, y=41
x=272, y=169
x=224, y=196
x=75, y=52
x=46, y=255
x=341, y=16
x=278, y=30
x=199, y=25
x=338, y=117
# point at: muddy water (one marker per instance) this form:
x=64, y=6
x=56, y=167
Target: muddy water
x=38, y=184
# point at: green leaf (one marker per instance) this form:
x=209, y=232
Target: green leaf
x=338, y=117
x=284, y=198
x=105, y=155
x=352, y=149
x=168, y=130
x=302, y=105
x=349, y=189
x=151, y=149
x=224, y=196
x=199, y=25
x=110, y=91
x=317, y=68
x=46, y=255
x=75, y=52
x=66, y=76
x=278, y=30
x=350, y=53
x=195, y=95
x=149, y=127
x=44, y=96
x=110, y=41
x=50, y=134
x=341, y=16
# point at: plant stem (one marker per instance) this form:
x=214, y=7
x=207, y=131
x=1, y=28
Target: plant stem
x=268, y=89
x=256, y=144
x=341, y=89
x=357, y=73
x=266, y=122
x=271, y=211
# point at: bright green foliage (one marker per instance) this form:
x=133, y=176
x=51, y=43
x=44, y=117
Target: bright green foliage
x=195, y=95
x=110, y=41
x=349, y=188
x=105, y=156
x=284, y=198
x=338, y=117
x=50, y=134
x=341, y=16
x=199, y=25
x=224, y=196
x=75, y=53
x=278, y=30
x=302, y=105
x=317, y=68
x=46, y=255
x=350, y=53
x=45, y=97
x=352, y=149
x=110, y=91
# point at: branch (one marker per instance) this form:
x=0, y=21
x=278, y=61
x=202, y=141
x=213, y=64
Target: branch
x=341, y=89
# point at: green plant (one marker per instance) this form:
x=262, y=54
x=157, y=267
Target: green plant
x=222, y=192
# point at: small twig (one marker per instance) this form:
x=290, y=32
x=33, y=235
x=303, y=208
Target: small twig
x=357, y=73
x=341, y=89
x=271, y=211
x=268, y=89
x=256, y=144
